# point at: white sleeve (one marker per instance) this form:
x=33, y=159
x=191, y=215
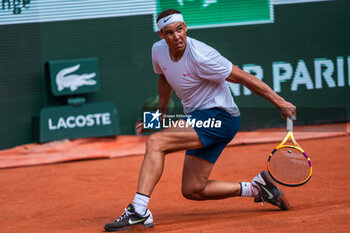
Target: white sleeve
x=212, y=65
x=156, y=66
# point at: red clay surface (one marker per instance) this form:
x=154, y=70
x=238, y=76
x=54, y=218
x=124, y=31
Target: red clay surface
x=82, y=196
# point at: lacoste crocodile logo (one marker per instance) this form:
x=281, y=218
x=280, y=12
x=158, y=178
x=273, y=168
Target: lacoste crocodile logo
x=65, y=79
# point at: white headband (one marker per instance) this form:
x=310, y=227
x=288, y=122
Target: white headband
x=170, y=19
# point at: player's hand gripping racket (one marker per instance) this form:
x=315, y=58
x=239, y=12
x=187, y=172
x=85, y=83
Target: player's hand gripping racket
x=288, y=164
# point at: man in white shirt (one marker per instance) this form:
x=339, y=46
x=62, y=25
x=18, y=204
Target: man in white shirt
x=198, y=74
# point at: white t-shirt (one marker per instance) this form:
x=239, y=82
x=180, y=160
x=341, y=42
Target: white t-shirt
x=198, y=78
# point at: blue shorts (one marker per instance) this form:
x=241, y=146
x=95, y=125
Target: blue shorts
x=214, y=139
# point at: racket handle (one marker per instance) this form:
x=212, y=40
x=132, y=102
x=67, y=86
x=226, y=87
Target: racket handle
x=290, y=124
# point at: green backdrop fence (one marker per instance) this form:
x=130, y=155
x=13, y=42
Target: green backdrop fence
x=310, y=38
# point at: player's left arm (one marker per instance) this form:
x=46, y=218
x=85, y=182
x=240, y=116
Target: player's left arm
x=165, y=92
x=260, y=88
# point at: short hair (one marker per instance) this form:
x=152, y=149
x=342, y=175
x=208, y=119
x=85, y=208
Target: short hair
x=166, y=13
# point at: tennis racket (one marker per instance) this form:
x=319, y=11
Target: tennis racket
x=288, y=164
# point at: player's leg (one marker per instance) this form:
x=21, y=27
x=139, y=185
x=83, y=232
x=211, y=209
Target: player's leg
x=197, y=186
x=195, y=183
x=158, y=145
x=199, y=163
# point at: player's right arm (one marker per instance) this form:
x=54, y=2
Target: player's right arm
x=260, y=88
x=165, y=91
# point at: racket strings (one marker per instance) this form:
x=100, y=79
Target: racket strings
x=289, y=165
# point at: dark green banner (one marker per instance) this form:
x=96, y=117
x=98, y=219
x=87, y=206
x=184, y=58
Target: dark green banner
x=88, y=120
x=215, y=13
x=303, y=54
x=70, y=77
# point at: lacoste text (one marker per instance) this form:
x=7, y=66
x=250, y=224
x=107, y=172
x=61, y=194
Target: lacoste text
x=80, y=121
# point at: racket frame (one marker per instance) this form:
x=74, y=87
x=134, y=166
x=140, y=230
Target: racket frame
x=294, y=146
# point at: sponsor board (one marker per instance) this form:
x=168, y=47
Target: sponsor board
x=75, y=76
x=88, y=120
x=214, y=13
x=198, y=13
x=323, y=73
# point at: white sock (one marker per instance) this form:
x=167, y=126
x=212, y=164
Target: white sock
x=140, y=203
x=248, y=190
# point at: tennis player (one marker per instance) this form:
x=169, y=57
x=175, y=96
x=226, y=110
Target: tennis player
x=198, y=74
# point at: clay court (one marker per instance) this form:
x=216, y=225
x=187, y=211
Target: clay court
x=77, y=77
x=82, y=196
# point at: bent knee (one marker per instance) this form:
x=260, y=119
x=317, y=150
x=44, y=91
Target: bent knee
x=153, y=143
x=192, y=193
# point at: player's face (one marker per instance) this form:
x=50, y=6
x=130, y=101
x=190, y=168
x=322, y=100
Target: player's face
x=175, y=36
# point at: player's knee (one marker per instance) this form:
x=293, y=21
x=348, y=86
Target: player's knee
x=153, y=143
x=192, y=193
